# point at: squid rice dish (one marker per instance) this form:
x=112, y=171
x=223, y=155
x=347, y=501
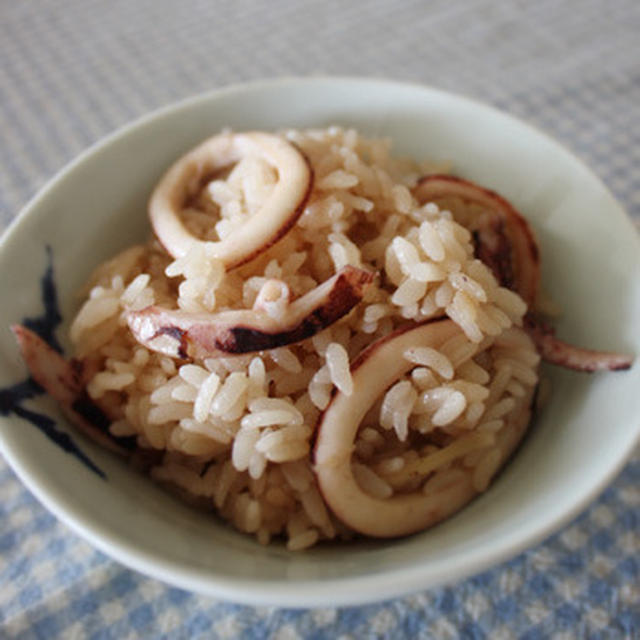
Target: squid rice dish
x=321, y=340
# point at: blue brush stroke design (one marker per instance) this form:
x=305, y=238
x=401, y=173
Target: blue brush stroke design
x=63, y=440
x=12, y=397
x=46, y=324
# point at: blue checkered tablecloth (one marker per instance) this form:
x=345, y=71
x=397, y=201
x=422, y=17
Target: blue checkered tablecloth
x=74, y=70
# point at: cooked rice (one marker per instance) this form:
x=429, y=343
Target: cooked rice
x=237, y=431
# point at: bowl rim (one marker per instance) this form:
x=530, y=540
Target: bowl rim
x=301, y=593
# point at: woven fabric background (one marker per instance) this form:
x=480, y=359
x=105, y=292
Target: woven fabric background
x=71, y=71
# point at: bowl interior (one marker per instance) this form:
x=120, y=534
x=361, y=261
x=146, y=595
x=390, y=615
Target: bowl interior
x=591, y=265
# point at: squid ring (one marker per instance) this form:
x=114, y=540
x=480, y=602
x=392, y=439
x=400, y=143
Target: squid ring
x=373, y=372
x=511, y=251
x=520, y=239
x=276, y=216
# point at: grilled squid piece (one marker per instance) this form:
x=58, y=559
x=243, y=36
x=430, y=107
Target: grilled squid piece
x=504, y=240
x=276, y=216
x=376, y=369
x=193, y=335
x=560, y=353
x=506, y=244
x=62, y=380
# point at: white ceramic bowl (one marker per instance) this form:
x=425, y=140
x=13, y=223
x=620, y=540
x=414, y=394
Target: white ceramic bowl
x=591, y=264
